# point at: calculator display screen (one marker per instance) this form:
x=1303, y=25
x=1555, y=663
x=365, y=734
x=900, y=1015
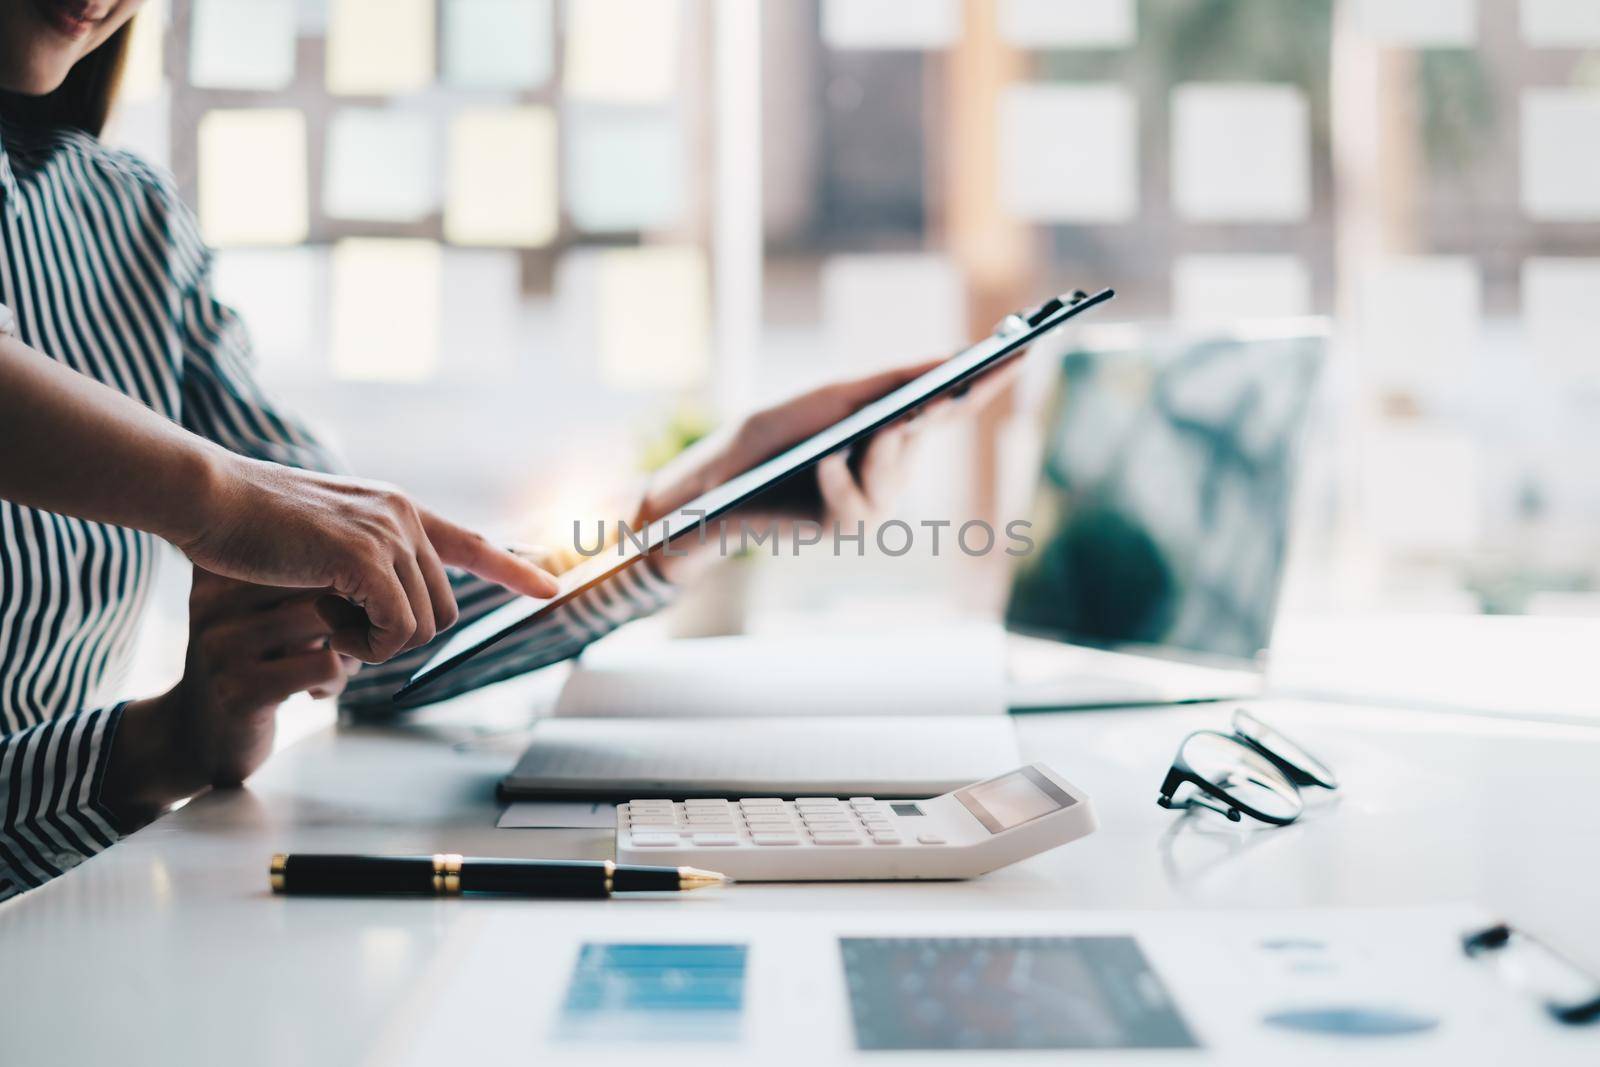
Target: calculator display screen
x=1013, y=799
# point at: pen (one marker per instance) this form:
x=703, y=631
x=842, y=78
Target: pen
x=448, y=875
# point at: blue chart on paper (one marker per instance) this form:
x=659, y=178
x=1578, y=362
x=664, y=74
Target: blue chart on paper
x=655, y=993
x=1008, y=992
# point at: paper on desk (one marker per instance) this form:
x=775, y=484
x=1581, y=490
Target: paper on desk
x=950, y=670
x=509, y=976
x=558, y=815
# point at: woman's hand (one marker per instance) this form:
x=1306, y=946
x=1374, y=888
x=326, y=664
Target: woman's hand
x=364, y=542
x=843, y=489
x=72, y=445
x=250, y=648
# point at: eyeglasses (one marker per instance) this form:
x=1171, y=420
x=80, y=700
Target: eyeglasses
x=1254, y=771
x=1569, y=993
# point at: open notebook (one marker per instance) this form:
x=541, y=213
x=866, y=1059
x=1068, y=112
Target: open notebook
x=882, y=756
x=955, y=669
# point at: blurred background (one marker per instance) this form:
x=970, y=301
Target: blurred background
x=512, y=253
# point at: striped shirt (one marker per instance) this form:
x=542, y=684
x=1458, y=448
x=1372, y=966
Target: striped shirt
x=102, y=268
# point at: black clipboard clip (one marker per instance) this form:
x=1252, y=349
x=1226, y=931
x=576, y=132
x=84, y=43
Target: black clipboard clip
x=1022, y=321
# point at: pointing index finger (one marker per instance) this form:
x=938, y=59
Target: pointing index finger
x=460, y=547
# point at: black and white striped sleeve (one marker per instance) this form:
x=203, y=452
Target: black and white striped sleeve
x=50, y=777
x=51, y=818
x=631, y=594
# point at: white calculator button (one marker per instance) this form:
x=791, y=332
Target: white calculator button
x=816, y=800
x=708, y=816
x=760, y=800
x=836, y=839
x=655, y=840
x=863, y=800
x=877, y=824
x=775, y=839
x=886, y=839
x=930, y=839
x=716, y=840
x=651, y=820
x=705, y=805
x=775, y=817
x=759, y=809
x=641, y=805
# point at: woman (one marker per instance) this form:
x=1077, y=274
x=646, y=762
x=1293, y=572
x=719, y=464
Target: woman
x=104, y=270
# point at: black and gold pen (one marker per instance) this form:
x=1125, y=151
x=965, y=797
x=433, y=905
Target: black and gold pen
x=448, y=875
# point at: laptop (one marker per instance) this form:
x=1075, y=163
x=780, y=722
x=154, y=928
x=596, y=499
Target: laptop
x=1161, y=516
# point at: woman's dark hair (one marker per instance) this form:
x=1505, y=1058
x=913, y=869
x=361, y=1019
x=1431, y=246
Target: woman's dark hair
x=82, y=101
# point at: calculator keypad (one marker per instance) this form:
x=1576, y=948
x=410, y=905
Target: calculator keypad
x=763, y=822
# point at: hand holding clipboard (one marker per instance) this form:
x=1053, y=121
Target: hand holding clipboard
x=948, y=378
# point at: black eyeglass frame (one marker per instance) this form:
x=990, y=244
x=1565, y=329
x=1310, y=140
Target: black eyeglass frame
x=1218, y=799
x=1243, y=722
x=1213, y=796
x=1502, y=936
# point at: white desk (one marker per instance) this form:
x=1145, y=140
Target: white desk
x=169, y=948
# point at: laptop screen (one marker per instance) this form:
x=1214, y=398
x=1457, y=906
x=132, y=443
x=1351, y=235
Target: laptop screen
x=1161, y=515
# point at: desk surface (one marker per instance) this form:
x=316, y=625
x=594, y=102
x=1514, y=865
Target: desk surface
x=169, y=944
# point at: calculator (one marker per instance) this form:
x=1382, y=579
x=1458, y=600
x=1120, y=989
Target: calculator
x=962, y=834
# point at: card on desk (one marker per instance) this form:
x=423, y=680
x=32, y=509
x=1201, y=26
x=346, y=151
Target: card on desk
x=888, y=756
x=654, y=992
x=1007, y=993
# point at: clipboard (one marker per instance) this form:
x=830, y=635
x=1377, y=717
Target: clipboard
x=464, y=651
